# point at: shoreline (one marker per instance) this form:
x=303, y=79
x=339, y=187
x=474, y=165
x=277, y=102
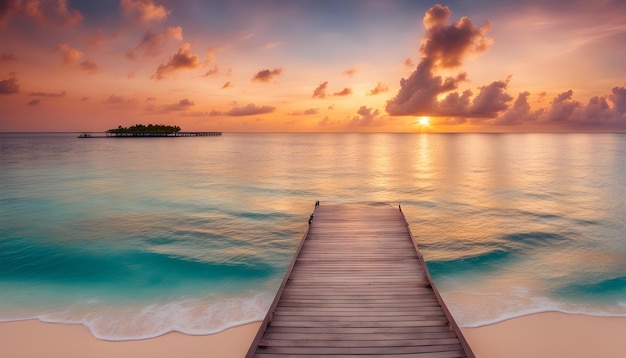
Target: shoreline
x=539, y=335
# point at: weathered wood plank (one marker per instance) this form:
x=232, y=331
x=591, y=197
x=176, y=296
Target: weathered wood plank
x=358, y=286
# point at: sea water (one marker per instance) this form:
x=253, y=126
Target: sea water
x=137, y=237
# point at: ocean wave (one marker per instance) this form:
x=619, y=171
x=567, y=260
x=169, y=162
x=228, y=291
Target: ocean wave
x=192, y=316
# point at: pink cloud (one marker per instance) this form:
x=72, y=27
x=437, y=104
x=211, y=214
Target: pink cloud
x=320, y=91
x=89, y=66
x=444, y=47
x=33, y=102
x=266, y=75
x=183, y=59
x=600, y=111
x=9, y=86
x=7, y=57
x=408, y=62
x=48, y=94
x=44, y=13
x=145, y=10
x=343, y=92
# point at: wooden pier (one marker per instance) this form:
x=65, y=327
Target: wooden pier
x=358, y=286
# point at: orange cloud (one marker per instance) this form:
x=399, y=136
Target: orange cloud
x=249, y=110
x=152, y=44
x=181, y=105
x=183, y=59
x=9, y=86
x=145, y=10
x=380, y=88
x=266, y=75
x=351, y=72
x=320, y=91
x=366, y=117
x=212, y=72
x=306, y=112
x=343, y=92
x=227, y=84
x=33, y=102
x=70, y=55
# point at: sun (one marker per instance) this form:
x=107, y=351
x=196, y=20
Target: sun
x=424, y=121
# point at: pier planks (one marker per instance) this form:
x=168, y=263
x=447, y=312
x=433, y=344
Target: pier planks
x=358, y=286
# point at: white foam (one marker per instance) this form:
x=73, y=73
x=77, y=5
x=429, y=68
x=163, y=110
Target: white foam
x=193, y=316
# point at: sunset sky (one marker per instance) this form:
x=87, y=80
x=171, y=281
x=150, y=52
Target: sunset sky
x=313, y=66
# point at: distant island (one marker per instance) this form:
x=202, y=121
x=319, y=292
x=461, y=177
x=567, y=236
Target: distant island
x=150, y=128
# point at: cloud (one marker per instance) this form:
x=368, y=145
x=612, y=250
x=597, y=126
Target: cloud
x=7, y=57
x=320, y=91
x=9, y=86
x=181, y=105
x=183, y=59
x=212, y=72
x=33, y=102
x=351, y=72
x=249, y=110
x=89, y=66
x=119, y=100
x=343, y=92
x=48, y=94
x=152, y=44
x=44, y=13
x=306, y=112
x=380, y=88
x=70, y=55
x=266, y=75
x=408, y=62
x=444, y=47
x=366, y=117
x=491, y=100
x=145, y=10
x=607, y=111
x=227, y=84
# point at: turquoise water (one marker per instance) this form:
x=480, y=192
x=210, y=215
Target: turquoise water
x=138, y=237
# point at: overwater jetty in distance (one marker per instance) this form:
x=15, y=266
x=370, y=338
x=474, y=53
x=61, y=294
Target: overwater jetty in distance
x=358, y=286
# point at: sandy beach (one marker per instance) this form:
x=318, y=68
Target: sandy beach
x=31, y=339
x=552, y=334
x=544, y=335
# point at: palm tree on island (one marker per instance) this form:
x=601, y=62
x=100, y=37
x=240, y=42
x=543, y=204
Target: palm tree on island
x=150, y=128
